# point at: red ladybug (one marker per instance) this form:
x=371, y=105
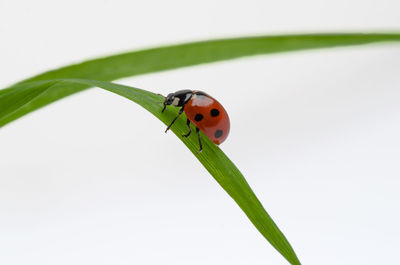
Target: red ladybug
x=206, y=113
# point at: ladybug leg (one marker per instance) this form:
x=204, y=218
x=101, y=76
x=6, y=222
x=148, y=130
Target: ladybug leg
x=180, y=112
x=190, y=129
x=198, y=134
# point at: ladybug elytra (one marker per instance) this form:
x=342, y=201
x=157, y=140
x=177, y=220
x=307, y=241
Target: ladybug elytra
x=205, y=112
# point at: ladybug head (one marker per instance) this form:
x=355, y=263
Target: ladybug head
x=168, y=100
x=178, y=99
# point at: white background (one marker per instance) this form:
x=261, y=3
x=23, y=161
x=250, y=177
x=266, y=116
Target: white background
x=93, y=179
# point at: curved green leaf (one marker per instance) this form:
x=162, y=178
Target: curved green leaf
x=212, y=158
x=176, y=56
x=43, y=89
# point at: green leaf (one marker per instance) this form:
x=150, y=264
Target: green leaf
x=176, y=56
x=212, y=158
x=48, y=87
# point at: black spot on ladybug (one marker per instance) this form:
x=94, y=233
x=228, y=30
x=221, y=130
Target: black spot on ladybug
x=218, y=133
x=198, y=117
x=214, y=112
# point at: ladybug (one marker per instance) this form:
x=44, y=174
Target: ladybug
x=205, y=112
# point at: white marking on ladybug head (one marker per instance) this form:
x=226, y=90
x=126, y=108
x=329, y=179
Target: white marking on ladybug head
x=175, y=102
x=188, y=96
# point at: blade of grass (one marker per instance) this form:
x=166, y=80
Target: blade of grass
x=32, y=94
x=183, y=55
x=212, y=158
